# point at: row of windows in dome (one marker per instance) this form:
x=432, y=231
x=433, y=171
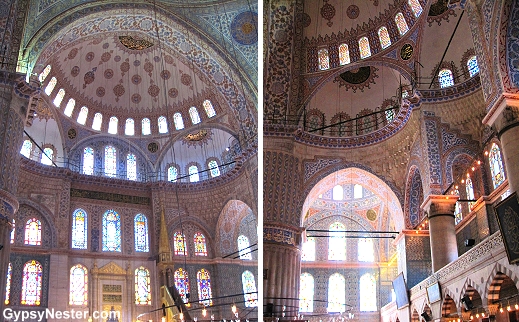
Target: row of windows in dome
x=446, y=78
x=337, y=293
x=180, y=247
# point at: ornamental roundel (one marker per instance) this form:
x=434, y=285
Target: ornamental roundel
x=72, y=53
x=244, y=28
x=74, y=71
x=89, y=56
x=148, y=67
x=153, y=90
x=305, y=19
x=119, y=90
x=109, y=73
x=165, y=74
x=186, y=79
x=117, y=58
x=71, y=133
x=125, y=66
x=136, y=98
x=406, y=52
x=136, y=63
x=328, y=12
x=105, y=57
x=371, y=215
x=156, y=59
x=173, y=92
x=106, y=45
x=353, y=12
x=100, y=91
x=88, y=78
x=153, y=147
x=168, y=59
x=136, y=79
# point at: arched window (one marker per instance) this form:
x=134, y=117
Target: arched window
x=209, y=109
x=146, y=126
x=88, y=161
x=336, y=293
x=50, y=86
x=365, y=251
x=129, y=128
x=8, y=283
x=31, y=283
x=308, y=250
x=324, y=60
x=141, y=233
x=243, y=247
x=47, y=156
x=416, y=7
x=193, y=113
x=365, y=50
x=177, y=119
x=112, y=125
x=97, y=122
x=401, y=24
x=172, y=174
x=383, y=35
x=13, y=231
x=33, y=232
x=470, y=191
x=110, y=161
x=472, y=65
x=200, y=246
x=179, y=244
x=142, y=286
x=344, y=54
x=213, y=166
x=78, y=292
x=357, y=191
x=337, y=192
x=204, y=287
x=111, y=232
x=163, y=125
x=497, y=171
x=337, y=242
x=458, y=211
x=193, y=173
x=70, y=107
x=249, y=289
x=182, y=283
x=44, y=73
x=79, y=229
x=131, y=167
x=445, y=78
x=82, y=116
x=26, y=149
x=368, y=293
x=59, y=97
x=306, y=293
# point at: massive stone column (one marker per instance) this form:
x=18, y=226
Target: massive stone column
x=440, y=210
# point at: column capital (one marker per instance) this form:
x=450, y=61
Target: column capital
x=439, y=204
x=504, y=108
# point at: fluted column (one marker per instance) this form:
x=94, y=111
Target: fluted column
x=440, y=210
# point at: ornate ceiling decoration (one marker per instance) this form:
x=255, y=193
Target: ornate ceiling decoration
x=357, y=79
x=134, y=43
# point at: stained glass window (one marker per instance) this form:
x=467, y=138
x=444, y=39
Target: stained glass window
x=416, y=7
x=146, y=126
x=112, y=125
x=308, y=250
x=177, y=119
x=131, y=167
x=70, y=107
x=182, y=283
x=243, y=247
x=445, y=78
x=344, y=54
x=13, y=231
x=59, y=97
x=458, y=211
x=172, y=173
x=193, y=173
x=213, y=166
x=209, y=109
x=470, y=191
x=368, y=293
x=46, y=156
x=44, y=73
x=50, y=86
x=141, y=233
x=383, y=35
x=8, y=283
x=26, y=148
x=365, y=250
x=142, y=286
x=193, y=113
x=31, y=283
x=163, y=124
x=129, y=128
x=179, y=244
x=497, y=170
x=97, y=122
x=78, y=293
x=324, y=60
x=79, y=229
x=111, y=232
x=472, y=65
x=249, y=286
x=337, y=242
x=204, y=287
x=337, y=192
x=200, y=246
x=336, y=293
x=83, y=114
x=306, y=293
x=88, y=161
x=401, y=24
x=110, y=161
x=365, y=50
x=33, y=232
x=357, y=191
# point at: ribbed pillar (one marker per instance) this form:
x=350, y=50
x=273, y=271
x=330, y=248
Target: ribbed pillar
x=440, y=210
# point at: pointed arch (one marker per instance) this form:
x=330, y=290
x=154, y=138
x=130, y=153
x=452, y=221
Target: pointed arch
x=78, y=290
x=111, y=232
x=32, y=278
x=182, y=283
x=79, y=229
x=140, y=223
x=249, y=289
x=142, y=286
